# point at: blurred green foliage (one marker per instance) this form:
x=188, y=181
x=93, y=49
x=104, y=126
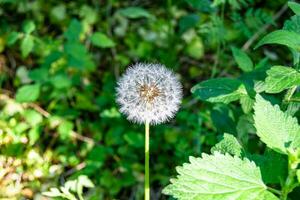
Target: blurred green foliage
x=59, y=62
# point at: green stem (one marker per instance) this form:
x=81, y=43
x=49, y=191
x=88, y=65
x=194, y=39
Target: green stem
x=147, y=157
x=289, y=184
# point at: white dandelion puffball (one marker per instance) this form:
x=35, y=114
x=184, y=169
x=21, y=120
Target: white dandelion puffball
x=149, y=93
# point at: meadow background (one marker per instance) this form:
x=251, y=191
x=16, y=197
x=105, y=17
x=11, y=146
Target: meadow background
x=59, y=62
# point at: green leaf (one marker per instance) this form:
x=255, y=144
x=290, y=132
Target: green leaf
x=228, y=144
x=101, y=40
x=12, y=38
x=33, y=117
x=27, y=45
x=218, y=176
x=295, y=7
x=187, y=22
x=246, y=103
x=73, y=31
x=134, y=12
x=280, y=78
x=223, y=90
x=275, y=128
x=273, y=166
x=293, y=24
x=28, y=27
x=242, y=59
x=283, y=37
x=201, y=5
x=28, y=93
x=65, y=129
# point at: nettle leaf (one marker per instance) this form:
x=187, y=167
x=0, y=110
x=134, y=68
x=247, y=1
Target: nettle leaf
x=246, y=103
x=101, y=40
x=276, y=129
x=295, y=7
x=134, y=12
x=218, y=177
x=229, y=144
x=28, y=93
x=223, y=90
x=242, y=59
x=280, y=78
x=283, y=37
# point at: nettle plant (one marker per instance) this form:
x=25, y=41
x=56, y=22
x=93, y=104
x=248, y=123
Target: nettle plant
x=231, y=171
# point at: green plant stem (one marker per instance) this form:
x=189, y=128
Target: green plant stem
x=289, y=184
x=147, y=158
x=274, y=191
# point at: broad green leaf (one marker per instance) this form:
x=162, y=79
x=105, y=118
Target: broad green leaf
x=73, y=31
x=275, y=128
x=242, y=59
x=27, y=45
x=28, y=27
x=28, y=93
x=280, y=78
x=12, y=38
x=223, y=90
x=188, y=21
x=134, y=12
x=295, y=7
x=65, y=129
x=33, y=117
x=273, y=166
x=283, y=37
x=228, y=144
x=101, y=40
x=218, y=177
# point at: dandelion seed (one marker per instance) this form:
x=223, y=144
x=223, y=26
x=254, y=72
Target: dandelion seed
x=149, y=93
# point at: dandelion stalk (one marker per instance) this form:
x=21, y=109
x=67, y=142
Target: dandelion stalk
x=147, y=158
x=148, y=94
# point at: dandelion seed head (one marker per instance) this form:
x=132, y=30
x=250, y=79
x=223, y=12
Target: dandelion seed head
x=149, y=92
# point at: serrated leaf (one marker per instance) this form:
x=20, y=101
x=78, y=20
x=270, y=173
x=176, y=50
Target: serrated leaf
x=275, y=128
x=223, y=90
x=295, y=7
x=228, y=144
x=283, y=37
x=246, y=103
x=134, y=12
x=218, y=177
x=242, y=59
x=28, y=93
x=101, y=40
x=27, y=45
x=280, y=78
